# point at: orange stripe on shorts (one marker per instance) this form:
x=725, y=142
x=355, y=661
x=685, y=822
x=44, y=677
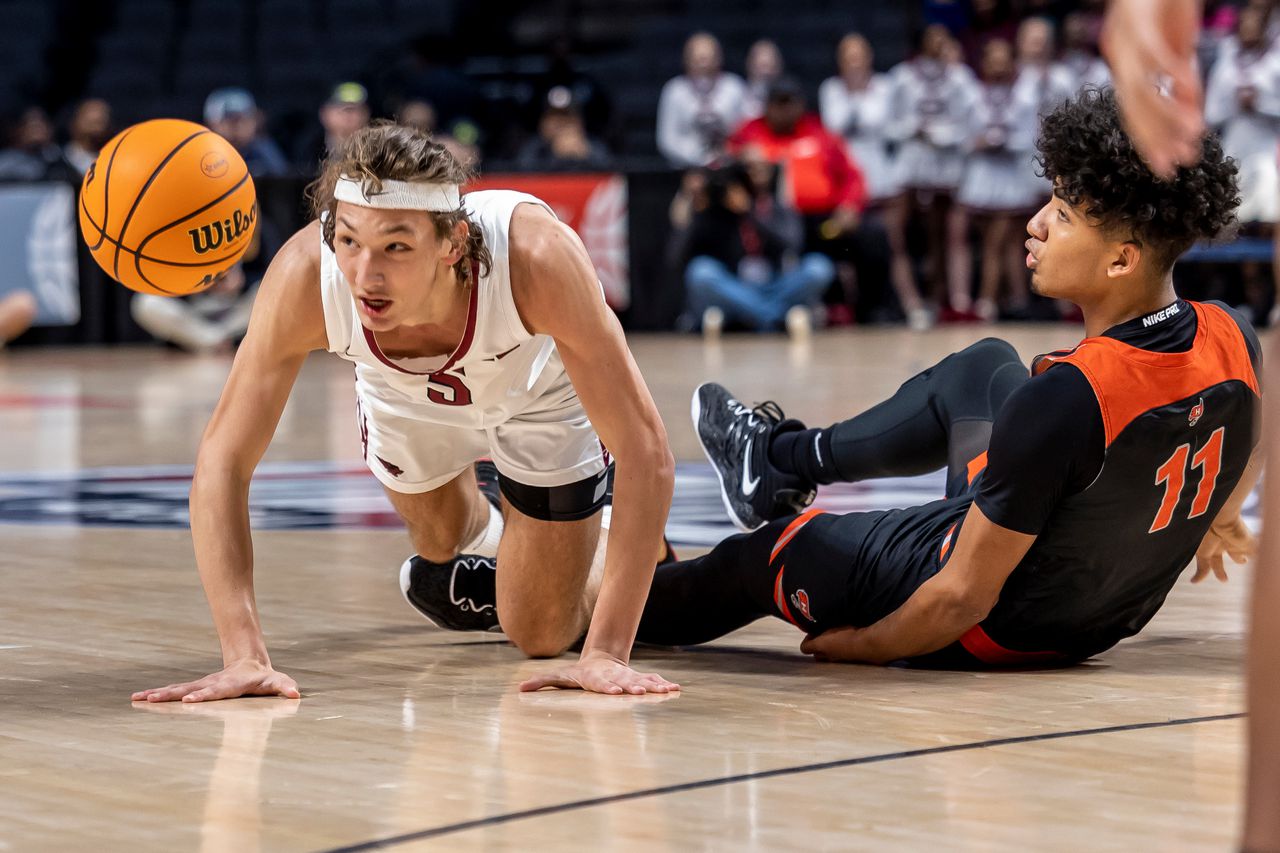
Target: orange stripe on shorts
x=792, y=529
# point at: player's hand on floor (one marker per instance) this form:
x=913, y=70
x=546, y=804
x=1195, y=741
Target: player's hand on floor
x=601, y=674
x=242, y=678
x=1233, y=539
x=836, y=644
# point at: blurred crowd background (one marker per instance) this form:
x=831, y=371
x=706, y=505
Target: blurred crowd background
x=763, y=165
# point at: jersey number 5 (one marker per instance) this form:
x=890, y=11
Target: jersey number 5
x=1173, y=474
x=445, y=389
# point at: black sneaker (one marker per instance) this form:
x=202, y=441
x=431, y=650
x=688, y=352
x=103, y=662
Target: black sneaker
x=736, y=441
x=460, y=595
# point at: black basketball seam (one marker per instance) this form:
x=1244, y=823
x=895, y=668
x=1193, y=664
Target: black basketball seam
x=124, y=229
x=137, y=256
x=106, y=195
x=120, y=248
x=149, y=258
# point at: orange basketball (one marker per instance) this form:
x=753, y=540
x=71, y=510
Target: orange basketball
x=167, y=207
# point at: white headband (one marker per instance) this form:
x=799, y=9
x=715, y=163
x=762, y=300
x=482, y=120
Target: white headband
x=400, y=195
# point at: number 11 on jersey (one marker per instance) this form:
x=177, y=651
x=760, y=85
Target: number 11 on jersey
x=1173, y=475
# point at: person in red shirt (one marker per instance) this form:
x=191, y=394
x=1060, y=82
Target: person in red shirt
x=818, y=177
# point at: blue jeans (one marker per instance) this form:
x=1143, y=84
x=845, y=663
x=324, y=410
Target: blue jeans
x=710, y=283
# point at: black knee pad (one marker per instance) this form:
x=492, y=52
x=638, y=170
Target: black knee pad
x=570, y=502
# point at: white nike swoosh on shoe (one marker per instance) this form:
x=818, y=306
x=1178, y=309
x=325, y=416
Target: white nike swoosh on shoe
x=749, y=483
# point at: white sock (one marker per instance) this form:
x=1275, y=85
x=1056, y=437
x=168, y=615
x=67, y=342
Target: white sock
x=486, y=542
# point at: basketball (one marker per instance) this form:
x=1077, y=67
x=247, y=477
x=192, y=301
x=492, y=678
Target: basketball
x=167, y=207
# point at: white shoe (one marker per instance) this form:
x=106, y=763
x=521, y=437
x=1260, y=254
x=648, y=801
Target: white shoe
x=712, y=323
x=799, y=323
x=920, y=319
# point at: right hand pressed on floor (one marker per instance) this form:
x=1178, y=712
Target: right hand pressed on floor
x=241, y=678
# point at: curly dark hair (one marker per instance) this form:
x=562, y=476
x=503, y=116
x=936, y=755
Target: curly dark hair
x=1093, y=165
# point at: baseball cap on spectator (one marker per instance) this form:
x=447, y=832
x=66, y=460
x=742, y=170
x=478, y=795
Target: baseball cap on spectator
x=227, y=103
x=785, y=89
x=349, y=94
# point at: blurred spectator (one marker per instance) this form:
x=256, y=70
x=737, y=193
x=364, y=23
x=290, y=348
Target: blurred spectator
x=233, y=114
x=215, y=319
x=1242, y=102
x=1080, y=52
x=855, y=106
x=819, y=178
x=345, y=112
x=989, y=19
x=1042, y=84
x=742, y=265
x=417, y=114
x=699, y=109
x=461, y=143
x=589, y=97
x=429, y=71
x=562, y=141
x=931, y=108
x=764, y=65
x=993, y=191
x=31, y=154
x=17, y=313
x=88, y=130
x=1040, y=80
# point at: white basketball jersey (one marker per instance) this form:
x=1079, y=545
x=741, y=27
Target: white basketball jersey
x=499, y=368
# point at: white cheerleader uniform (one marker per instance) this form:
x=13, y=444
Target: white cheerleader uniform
x=1250, y=137
x=861, y=118
x=931, y=103
x=994, y=178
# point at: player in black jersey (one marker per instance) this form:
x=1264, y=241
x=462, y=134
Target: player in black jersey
x=1076, y=495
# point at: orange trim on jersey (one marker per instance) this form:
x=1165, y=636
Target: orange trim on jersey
x=978, y=643
x=1129, y=381
x=791, y=530
x=780, y=597
x=946, y=542
x=976, y=464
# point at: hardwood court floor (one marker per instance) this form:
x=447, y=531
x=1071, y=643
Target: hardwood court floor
x=415, y=739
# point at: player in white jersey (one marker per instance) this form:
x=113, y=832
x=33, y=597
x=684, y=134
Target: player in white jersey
x=478, y=328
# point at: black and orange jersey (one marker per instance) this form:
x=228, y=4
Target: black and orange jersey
x=1177, y=431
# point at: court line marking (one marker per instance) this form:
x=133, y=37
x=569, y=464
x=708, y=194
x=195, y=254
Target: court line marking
x=720, y=781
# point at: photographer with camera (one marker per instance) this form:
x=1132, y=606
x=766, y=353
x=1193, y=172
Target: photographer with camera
x=743, y=263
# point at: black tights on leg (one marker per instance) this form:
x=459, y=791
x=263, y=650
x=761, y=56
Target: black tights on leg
x=939, y=418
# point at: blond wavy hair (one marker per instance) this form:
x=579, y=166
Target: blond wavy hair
x=386, y=151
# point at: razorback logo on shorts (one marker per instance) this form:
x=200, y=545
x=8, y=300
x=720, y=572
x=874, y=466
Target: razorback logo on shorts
x=393, y=470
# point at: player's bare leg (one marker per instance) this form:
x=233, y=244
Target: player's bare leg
x=442, y=520
x=544, y=600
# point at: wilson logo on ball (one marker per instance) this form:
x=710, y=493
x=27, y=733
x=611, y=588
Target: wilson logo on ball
x=214, y=165
x=206, y=238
